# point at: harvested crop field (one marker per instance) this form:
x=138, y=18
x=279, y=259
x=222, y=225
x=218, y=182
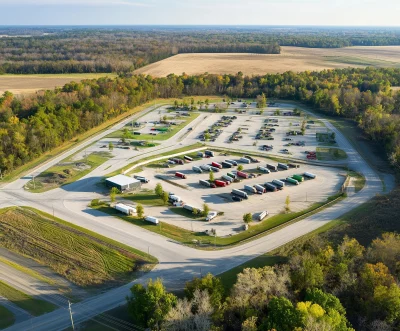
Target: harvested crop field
x=291, y=59
x=27, y=84
x=80, y=257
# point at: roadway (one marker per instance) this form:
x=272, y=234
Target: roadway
x=177, y=263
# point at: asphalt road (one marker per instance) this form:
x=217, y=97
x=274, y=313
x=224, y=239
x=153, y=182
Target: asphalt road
x=178, y=263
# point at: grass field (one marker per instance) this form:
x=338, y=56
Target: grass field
x=27, y=84
x=147, y=198
x=80, y=256
x=291, y=59
x=66, y=172
x=6, y=318
x=206, y=242
x=162, y=135
x=33, y=306
x=330, y=154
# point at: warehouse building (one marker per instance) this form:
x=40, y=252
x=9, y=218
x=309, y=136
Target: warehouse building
x=123, y=183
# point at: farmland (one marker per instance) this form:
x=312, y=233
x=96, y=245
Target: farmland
x=81, y=257
x=291, y=59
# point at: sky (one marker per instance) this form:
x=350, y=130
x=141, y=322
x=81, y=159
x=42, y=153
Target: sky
x=200, y=12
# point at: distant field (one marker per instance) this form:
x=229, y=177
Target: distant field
x=292, y=58
x=26, y=84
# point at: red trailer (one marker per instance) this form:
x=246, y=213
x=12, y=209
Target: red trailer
x=220, y=183
x=242, y=174
x=216, y=165
x=180, y=175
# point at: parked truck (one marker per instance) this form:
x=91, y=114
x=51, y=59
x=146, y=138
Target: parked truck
x=242, y=174
x=188, y=158
x=309, y=175
x=180, y=175
x=272, y=167
x=188, y=207
x=262, y=215
x=240, y=193
x=209, y=153
x=151, y=219
x=294, y=165
x=141, y=179
x=178, y=161
x=278, y=183
x=214, y=169
x=298, y=178
x=244, y=160
x=250, y=189
x=270, y=187
x=197, y=169
x=230, y=174
x=283, y=166
x=264, y=170
x=205, y=167
x=252, y=159
x=260, y=188
x=128, y=210
x=227, y=178
x=292, y=181
x=216, y=165
x=220, y=183
x=232, y=162
x=206, y=183
x=200, y=154
x=227, y=164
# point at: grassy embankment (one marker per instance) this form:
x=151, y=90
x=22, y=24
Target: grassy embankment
x=66, y=172
x=201, y=240
x=6, y=318
x=81, y=256
x=33, y=306
x=161, y=135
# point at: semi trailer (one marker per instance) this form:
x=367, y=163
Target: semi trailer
x=220, y=183
x=216, y=165
x=260, y=188
x=250, y=189
x=227, y=178
x=230, y=174
x=262, y=215
x=292, y=181
x=151, y=219
x=240, y=193
x=272, y=167
x=227, y=164
x=205, y=167
x=278, y=183
x=214, y=169
x=283, y=166
x=242, y=174
x=309, y=175
x=270, y=187
x=188, y=158
x=264, y=170
x=232, y=162
x=244, y=160
x=209, y=153
x=197, y=169
x=180, y=175
x=298, y=178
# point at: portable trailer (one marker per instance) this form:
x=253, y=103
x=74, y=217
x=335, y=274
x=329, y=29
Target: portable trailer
x=204, y=183
x=151, y=219
x=221, y=183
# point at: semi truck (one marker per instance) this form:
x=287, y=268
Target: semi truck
x=240, y=193
x=214, y=169
x=227, y=164
x=270, y=187
x=244, y=160
x=220, y=183
x=178, y=161
x=242, y=174
x=128, y=210
x=197, y=169
x=294, y=165
x=230, y=174
x=188, y=207
x=206, y=183
x=250, y=189
x=262, y=215
x=141, y=179
x=205, y=167
x=260, y=188
x=232, y=162
x=283, y=166
x=264, y=170
x=209, y=153
x=298, y=178
x=292, y=181
x=188, y=158
x=252, y=159
x=278, y=183
x=227, y=178
x=151, y=219
x=180, y=175
x=272, y=167
x=216, y=165
x=309, y=175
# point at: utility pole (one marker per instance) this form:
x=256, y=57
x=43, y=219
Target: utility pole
x=70, y=314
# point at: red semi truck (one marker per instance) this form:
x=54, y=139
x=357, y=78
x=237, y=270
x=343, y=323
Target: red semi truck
x=216, y=165
x=220, y=183
x=180, y=175
x=242, y=174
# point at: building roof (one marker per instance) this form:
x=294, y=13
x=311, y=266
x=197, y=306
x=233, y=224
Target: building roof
x=122, y=180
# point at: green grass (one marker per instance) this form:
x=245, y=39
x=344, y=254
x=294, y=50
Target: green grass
x=330, y=154
x=147, y=198
x=27, y=271
x=33, y=306
x=205, y=241
x=6, y=318
x=186, y=213
x=79, y=256
x=359, y=180
x=160, y=136
x=59, y=175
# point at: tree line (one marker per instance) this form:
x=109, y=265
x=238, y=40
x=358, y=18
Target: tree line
x=32, y=125
x=320, y=287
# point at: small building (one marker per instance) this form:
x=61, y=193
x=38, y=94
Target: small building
x=123, y=183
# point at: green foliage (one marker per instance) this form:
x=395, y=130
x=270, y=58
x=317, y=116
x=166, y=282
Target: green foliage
x=148, y=306
x=261, y=101
x=159, y=190
x=247, y=218
x=206, y=209
x=139, y=210
x=165, y=197
x=282, y=315
x=113, y=193
x=211, y=176
x=240, y=167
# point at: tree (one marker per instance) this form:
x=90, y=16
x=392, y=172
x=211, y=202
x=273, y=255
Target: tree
x=261, y=101
x=165, y=197
x=250, y=324
x=240, y=167
x=287, y=204
x=113, y=193
x=206, y=209
x=211, y=176
x=247, y=218
x=159, y=190
x=148, y=306
x=207, y=136
x=386, y=250
x=209, y=283
x=110, y=146
x=139, y=210
x=306, y=272
x=282, y=315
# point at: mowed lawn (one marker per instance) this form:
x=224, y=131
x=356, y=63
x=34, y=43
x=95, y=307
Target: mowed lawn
x=33, y=306
x=330, y=154
x=80, y=256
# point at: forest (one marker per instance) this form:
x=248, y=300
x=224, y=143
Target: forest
x=45, y=50
x=320, y=287
x=32, y=125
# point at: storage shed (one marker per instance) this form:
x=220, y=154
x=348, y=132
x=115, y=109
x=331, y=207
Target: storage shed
x=123, y=183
